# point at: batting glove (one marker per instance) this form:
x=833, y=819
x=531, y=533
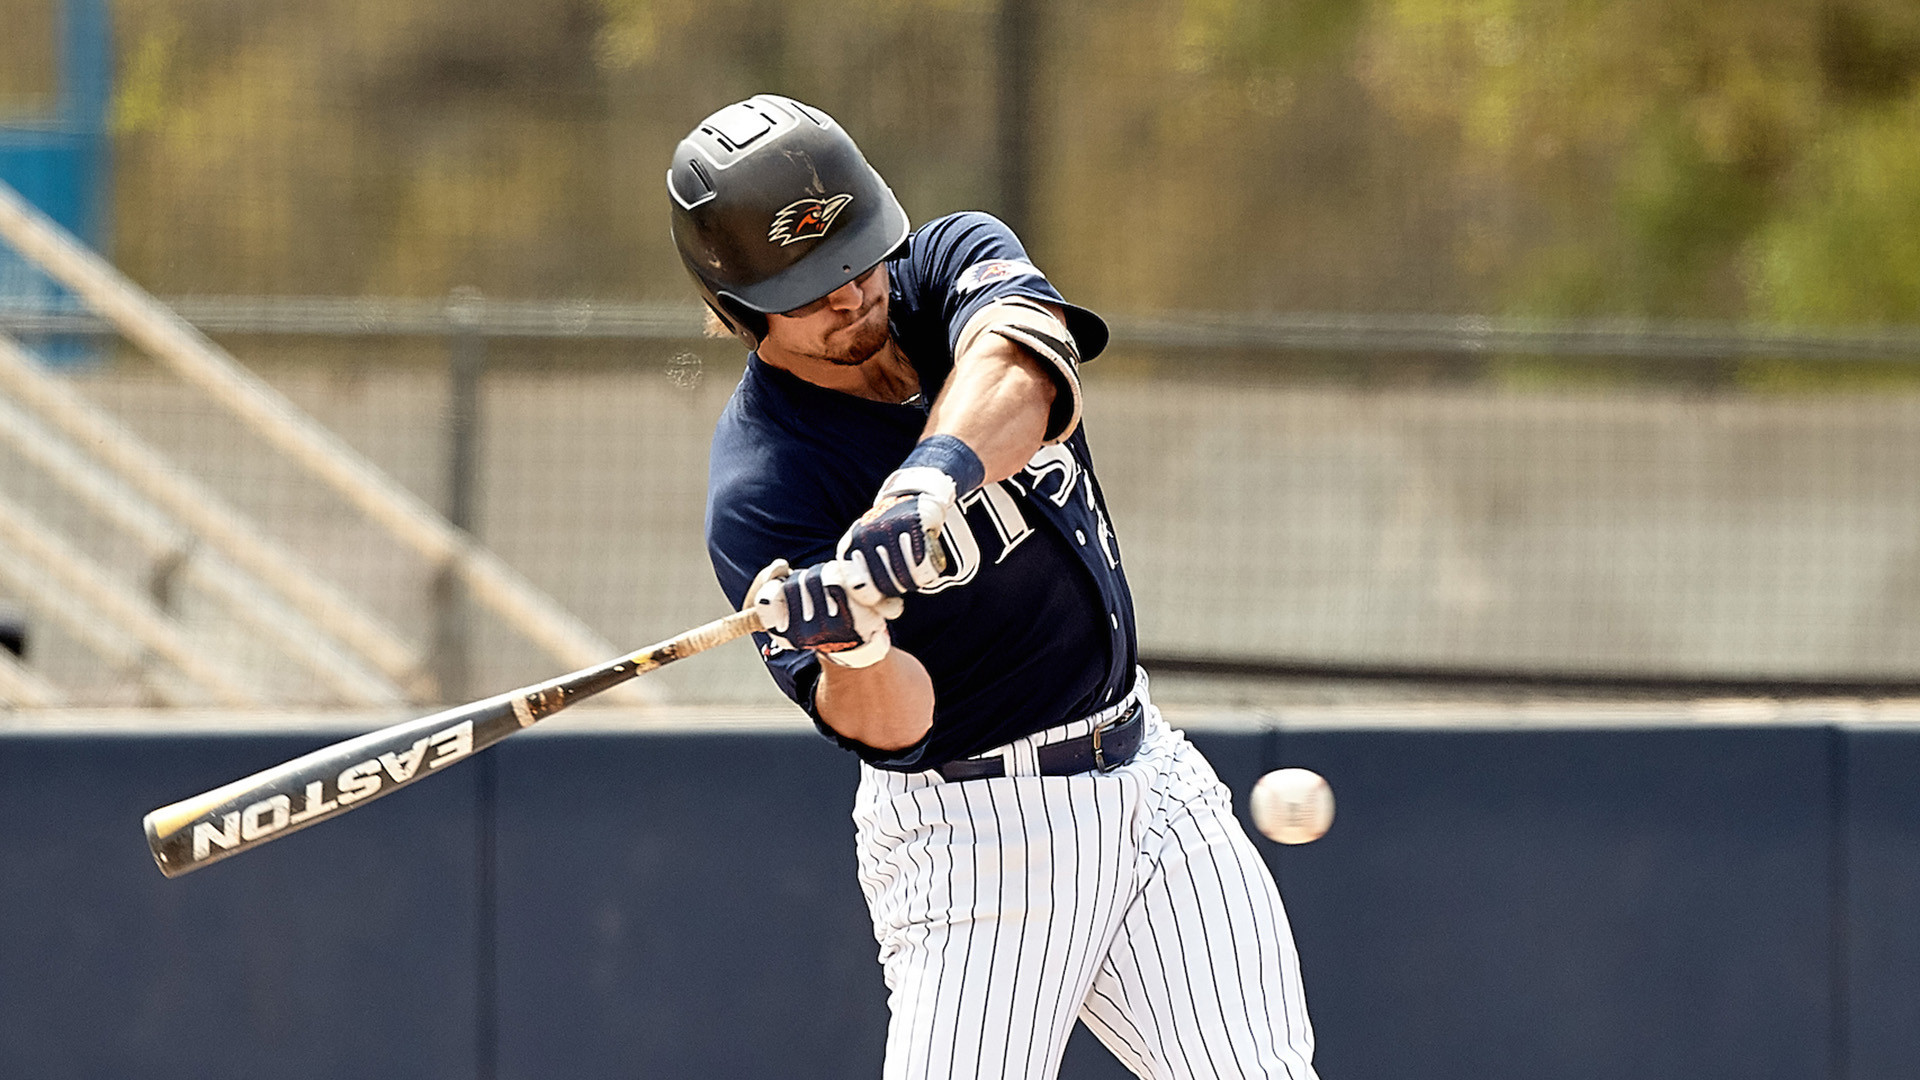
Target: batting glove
x=814, y=609
x=897, y=542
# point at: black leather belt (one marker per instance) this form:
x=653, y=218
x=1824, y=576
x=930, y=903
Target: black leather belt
x=1104, y=748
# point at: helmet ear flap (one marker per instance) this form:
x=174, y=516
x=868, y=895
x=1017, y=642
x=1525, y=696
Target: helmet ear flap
x=746, y=324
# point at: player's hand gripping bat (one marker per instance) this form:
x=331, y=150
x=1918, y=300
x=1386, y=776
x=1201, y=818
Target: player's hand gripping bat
x=335, y=779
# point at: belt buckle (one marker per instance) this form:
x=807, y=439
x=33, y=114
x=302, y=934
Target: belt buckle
x=1099, y=755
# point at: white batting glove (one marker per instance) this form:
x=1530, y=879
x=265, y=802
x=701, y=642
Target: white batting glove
x=817, y=609
x=897, y=542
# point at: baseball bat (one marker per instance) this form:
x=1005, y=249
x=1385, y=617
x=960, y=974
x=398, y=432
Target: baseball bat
x=332, y=780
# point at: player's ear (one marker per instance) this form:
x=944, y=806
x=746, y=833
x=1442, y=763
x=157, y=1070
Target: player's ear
x=738, y=322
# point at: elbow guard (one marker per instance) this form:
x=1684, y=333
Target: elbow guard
x=1029, y=324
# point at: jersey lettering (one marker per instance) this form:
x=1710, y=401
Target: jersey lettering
x=1054, y=474
x=995, y=503
x=1004, y=512
x=963, y=553
x=1054, y=461
x=1104, y=530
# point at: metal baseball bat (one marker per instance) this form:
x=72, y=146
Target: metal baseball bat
x=332, y=780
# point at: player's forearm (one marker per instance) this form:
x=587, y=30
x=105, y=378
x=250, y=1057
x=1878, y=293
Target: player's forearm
x=887, y=705
x=992, y=416
x=997, y=402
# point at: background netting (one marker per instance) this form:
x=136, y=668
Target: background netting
x=1374, y=503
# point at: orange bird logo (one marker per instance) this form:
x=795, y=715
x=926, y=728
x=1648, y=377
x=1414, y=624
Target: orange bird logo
x=806, y=219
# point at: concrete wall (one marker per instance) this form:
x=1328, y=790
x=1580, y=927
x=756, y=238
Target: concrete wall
x=609, y=899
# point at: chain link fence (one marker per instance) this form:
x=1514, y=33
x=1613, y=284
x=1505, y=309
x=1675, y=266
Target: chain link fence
x=1660, y=504
x=1712, y=491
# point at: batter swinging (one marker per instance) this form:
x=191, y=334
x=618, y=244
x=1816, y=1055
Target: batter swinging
x=1035, y=844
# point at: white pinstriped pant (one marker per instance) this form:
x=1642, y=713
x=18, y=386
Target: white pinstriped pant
x=1007, y=907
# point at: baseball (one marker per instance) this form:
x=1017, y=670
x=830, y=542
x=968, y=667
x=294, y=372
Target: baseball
x=1292, y=806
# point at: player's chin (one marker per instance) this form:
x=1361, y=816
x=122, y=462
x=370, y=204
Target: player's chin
x=857, y=344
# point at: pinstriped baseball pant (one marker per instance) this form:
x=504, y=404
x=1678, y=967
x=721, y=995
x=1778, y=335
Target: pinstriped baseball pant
x=1132, y=900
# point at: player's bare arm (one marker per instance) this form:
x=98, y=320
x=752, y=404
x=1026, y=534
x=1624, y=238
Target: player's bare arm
x=1015, y=388
x=888, y=706
x=998, y=399
x=997, y=402
x=869, y=691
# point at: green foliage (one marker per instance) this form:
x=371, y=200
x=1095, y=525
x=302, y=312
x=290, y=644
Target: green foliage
x=1847, y=249
x=1750, y=159
x=1257, y=37
x=1685, y=213
x=1698, y=158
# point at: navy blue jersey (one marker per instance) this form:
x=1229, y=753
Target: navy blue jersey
x=1032, y=623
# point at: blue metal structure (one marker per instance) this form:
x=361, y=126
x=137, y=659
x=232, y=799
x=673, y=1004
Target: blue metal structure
x=59, y=158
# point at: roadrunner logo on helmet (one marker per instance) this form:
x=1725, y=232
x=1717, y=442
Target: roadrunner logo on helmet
x=806, y=219
x=754, y=180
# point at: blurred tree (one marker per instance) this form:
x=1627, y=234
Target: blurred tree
x=1647, y=157
x=1846, y=246
x=352, y=146
x=1223, y=154
x=27, y=67
x=356, y=146
x=1848, y=249
x=1255, y=38
x=1657, y=157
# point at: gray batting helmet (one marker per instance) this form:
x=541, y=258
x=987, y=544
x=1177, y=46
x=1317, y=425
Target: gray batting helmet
x=774, y=207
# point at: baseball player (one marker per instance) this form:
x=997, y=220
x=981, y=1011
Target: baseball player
x=902, y=485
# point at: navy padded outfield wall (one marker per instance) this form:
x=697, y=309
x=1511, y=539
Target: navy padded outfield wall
x=346, y=952
x=1684, y=902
